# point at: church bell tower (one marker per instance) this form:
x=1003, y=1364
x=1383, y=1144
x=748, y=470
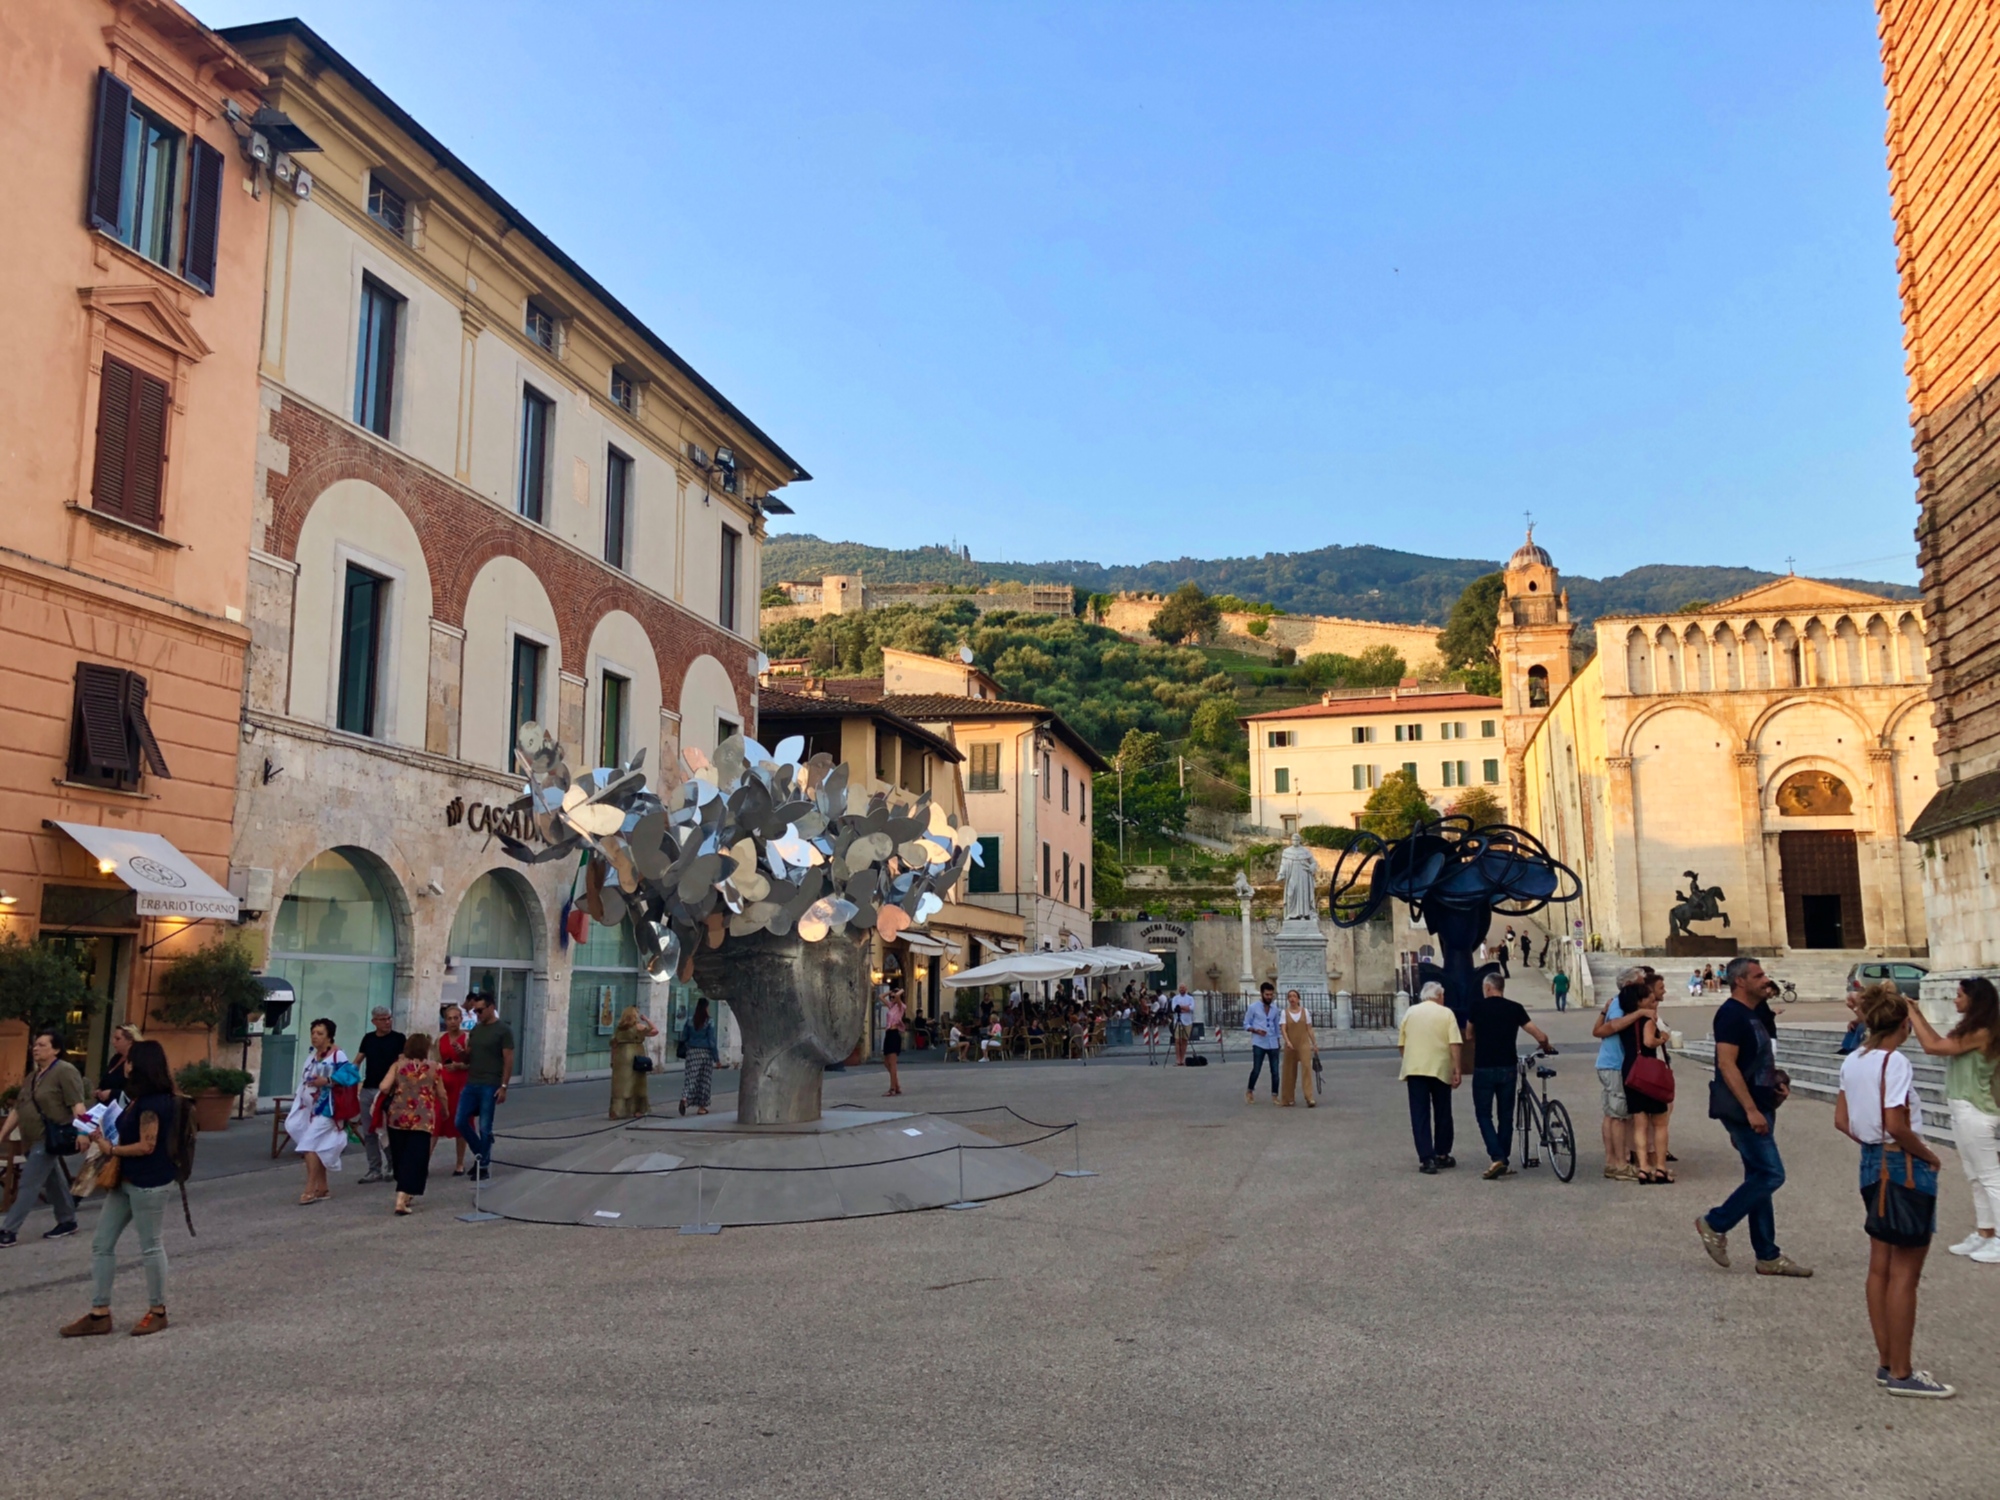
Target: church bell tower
x=1532, y=640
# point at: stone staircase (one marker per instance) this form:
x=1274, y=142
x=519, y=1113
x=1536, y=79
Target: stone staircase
x=1812, y=1056
x=1819, y=973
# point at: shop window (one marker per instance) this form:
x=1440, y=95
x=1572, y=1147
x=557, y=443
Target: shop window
x=984, y=878
x=493, y=947
x=335, y=941
x=110, y=740
x=985, y=773
x=130, y=472
x=375, y=356
x=362, y=615
x=605, y=980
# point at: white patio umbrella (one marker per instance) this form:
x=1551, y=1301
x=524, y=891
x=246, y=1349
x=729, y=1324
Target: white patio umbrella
x=1028, y=968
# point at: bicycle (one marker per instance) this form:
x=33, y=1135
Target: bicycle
x=1546, y=1118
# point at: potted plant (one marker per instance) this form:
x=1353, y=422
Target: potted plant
x=213, y=1090
x=198, y=989
x=41, y=986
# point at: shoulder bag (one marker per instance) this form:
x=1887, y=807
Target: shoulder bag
x=1653, y=1078
x=1900, y=1214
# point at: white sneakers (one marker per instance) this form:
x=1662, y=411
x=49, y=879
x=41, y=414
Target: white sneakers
x=1969, y=1244
x=1984, y=1248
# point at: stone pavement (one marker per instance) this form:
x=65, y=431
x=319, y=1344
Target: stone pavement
x=1249, y=1302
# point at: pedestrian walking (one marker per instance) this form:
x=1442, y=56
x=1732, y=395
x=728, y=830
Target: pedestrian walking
x=1972, y=1045
x=1260, y=1024
x=892, y=1041
x=1506, y=946
x=1430, y=1042
x=50, y=1103
x=111, y=1082
x=453, y=1048
x=1646, y=1113
x=318, y=1120
x=142, y=1152
x=1745, y=1096
x=1183, y=1010
x=1494, y=1036
x=699, y=1049
x=416, y=1102
x=1879, y=1107
x=1617, y=1127
x=1301, y=1046
x=381, y=1049
x=489, y=1063
x=629, y=1076
x=1559, y=987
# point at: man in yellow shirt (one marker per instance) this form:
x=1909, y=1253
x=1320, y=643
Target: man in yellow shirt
x=1430, y=1043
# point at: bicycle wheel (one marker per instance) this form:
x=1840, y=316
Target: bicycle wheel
x=1561, y=1139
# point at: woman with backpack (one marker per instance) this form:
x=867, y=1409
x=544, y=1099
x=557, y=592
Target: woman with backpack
x=143, y=1156
x=316, y=1125
x=1879, y=1107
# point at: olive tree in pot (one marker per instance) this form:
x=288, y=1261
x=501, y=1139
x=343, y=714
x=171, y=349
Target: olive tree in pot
x=198, y=989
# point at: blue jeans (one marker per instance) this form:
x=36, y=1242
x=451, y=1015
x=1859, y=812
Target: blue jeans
x=1562, y=999
x=1763, y=1175
x=1495, y=1087
x=477, y=1099
x=1259, y=1056
x=1430, y=1116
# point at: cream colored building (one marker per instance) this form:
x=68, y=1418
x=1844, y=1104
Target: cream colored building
x=1319, y=763
x=486, y=493
x=1777, y=744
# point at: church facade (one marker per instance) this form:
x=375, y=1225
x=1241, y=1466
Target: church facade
x=1762, y=757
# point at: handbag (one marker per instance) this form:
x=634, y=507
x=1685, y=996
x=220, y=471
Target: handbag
x=1900, y=1214
x=60, y=1138
x=1654, y=1079
x=643, y=1063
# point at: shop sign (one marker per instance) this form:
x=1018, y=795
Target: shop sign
x=491, y=817
x=1163, y=932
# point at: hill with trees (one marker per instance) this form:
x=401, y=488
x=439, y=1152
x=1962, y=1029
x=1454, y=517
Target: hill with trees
x=1363, y=583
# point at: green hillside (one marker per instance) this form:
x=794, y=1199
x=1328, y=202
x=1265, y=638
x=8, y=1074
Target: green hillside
x=1368, y=583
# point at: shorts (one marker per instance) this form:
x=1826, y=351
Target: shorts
x=1925, y=1185
x=1612, y=1081
x=892, y=1041
x=1182, y=1030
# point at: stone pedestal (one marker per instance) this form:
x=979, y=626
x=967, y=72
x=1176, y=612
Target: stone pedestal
x=1699, y=945
x=1343, y=1011
x=1301, y=948
x=799, y=1005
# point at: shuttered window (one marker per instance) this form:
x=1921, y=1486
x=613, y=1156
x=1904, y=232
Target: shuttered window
x=111, y=740
x=131, y=444
x=204, y=215
x=985, y=774
x=984, y=879
x=107, y=151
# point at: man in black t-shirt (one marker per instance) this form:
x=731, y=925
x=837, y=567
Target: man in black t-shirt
x=379, y=1051
x=1747, y=1092
x=1492, y=1034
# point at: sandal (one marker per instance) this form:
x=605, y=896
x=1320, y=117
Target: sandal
x=1663, y=1176
x=305, y=1198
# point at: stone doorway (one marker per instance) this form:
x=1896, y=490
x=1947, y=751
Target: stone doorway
x=1820, y=871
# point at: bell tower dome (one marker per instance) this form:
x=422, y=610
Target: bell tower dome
x=1532, y=641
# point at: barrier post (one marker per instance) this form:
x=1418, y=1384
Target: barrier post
x=1077, y=1131
x=700, y=1224
x=963, y=1201
x=478, y=1215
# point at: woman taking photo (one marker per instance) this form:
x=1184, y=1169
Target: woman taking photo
x=416, y=1100
x=145, y=1181
x=1879, y=1107
x=1972, y=1045
x=628, y=1081
x=698, y=1043
x=454, y=1053
x=315, y=1134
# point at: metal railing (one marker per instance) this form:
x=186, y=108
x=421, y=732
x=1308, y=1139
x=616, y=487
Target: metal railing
x=1374, y=1012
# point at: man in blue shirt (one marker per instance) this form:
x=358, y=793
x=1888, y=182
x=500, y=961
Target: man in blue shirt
x=1747, y=1093
x=1260, y=1022
x=1611, y=1080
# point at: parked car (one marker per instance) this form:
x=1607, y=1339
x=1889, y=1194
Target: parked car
x=1907, y=976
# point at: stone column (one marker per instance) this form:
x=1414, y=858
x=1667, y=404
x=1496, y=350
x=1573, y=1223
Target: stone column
x=1627, y=917
x=1343, y=1011
x=447, y=679
x=569, y=721
x=1882, y=901
x=1247, y=980
x=1754, y=911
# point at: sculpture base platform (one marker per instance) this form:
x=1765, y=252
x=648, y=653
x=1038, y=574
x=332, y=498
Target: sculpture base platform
x=1695, y=945
x=1301, y=949
x=667, y=1172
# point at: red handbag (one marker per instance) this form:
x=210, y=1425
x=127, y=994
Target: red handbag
x=1651, y=1077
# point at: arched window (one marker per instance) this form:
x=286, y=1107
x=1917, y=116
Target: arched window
x=335, y=940
x=493, y=946
x=1538, y=687
x=605, y=977
x=1638, y=663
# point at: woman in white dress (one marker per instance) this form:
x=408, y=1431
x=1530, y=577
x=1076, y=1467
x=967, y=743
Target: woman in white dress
x=315, y=1134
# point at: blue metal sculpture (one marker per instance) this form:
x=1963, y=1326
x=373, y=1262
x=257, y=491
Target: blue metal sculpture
x=1455, y=878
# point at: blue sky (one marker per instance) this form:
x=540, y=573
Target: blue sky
x=1132, y=281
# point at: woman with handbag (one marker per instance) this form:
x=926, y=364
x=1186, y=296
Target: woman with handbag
x=630, y=1064
x=454, y=1060
x=317, y=1134
x=1973, y=1046
x=1647, y=1100
x=1880, y=1108
x=1299, y=1052
x=141, y=1158
x=698, y=1047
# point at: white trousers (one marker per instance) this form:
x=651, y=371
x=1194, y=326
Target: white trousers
x=1978, y=1136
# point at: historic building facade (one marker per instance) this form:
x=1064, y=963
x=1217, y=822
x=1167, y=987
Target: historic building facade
x=133, y=243
x=485, y=494
x=1774, y=747
x=1941, y=64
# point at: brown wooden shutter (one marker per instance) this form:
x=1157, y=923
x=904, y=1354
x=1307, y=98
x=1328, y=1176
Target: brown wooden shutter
x=114, y=436
x=135, y=720
x=98, y=745
x=204, y=226
x=148, y=452
x=107, y=151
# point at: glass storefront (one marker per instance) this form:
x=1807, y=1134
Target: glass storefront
x=335, y=941
x=493, y=945
x=605, y=977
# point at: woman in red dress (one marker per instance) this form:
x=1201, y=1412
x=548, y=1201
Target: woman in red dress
x=454, y=1050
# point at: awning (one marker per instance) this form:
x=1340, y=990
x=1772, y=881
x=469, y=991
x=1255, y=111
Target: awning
x=167, y=882
x=919, y=943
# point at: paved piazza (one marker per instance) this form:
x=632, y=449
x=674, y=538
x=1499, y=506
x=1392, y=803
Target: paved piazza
x=1246, y=1302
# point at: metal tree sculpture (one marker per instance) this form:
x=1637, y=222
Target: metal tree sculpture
x=1456, y=878
x=758, y=874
